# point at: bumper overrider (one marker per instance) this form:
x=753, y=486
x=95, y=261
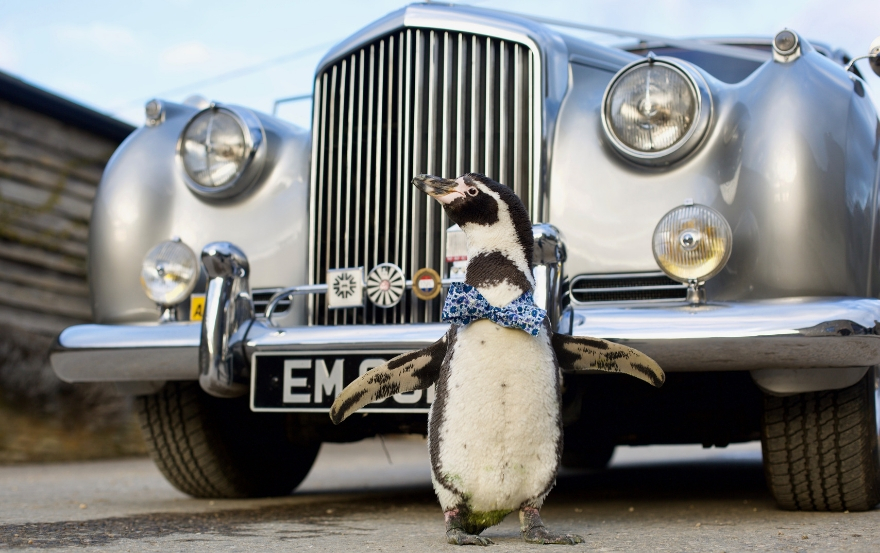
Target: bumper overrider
x=790, y=345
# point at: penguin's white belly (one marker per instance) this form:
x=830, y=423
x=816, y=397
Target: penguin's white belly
x=500, y=422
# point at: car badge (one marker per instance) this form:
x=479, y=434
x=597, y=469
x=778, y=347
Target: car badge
x=385, y=285
x=345, y=288
x=426, y=284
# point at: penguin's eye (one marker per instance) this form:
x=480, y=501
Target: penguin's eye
x=472, y=191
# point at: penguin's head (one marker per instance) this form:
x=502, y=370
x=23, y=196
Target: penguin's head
x=492, y=217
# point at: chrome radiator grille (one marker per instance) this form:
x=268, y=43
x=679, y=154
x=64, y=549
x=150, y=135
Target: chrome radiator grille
x=415, y=101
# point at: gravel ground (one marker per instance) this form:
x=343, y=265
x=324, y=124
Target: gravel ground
x=651, y=499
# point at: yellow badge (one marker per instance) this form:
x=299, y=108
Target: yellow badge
x=196, y=307
x=426, y=284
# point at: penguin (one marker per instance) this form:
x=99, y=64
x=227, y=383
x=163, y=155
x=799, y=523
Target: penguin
x=494, y=429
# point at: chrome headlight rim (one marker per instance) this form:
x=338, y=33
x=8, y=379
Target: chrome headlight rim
x=694, y=135
x=253, y=160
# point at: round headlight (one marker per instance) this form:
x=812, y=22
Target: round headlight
x=692, y=243
x=221, y=150
x=169, y=273
x=656, y=111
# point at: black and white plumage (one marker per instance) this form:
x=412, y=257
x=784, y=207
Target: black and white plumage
x=495, y=432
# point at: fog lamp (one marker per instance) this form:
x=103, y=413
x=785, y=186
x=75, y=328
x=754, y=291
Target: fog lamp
x=169, y=273
x=692, y=243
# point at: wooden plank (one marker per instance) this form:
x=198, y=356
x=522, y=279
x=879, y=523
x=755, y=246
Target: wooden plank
x=27, y=275
x=43, y=301
x=41, y=129
x=41, y=323
x=38, y=258
x=43, y=200
x=45, y=241
x=52, y=223
x=48, y=179
x=15, y=149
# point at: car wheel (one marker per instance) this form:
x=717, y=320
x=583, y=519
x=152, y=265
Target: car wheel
x=821, y=448
x=214, y=448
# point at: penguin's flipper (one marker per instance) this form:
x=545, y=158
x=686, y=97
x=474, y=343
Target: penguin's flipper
x=580, y=353
x=415, y=370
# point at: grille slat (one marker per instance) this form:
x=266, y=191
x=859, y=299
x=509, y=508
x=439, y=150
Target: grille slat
x=502, y=115
x=414, y=101
x=517, y=119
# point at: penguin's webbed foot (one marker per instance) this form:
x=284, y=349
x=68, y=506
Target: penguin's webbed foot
x=534, y=531
x=541, y=535
x=456, y=533
x=457, y=536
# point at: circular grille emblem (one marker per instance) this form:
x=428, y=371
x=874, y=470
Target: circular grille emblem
x=385, y=285
x=426, y=284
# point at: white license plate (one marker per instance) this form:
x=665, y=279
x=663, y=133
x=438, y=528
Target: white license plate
x=309, y=382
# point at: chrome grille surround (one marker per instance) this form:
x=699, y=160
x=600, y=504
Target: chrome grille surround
x=634, y=287
x=413, y=101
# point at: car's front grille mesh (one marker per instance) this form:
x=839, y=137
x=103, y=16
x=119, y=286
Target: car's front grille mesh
x=626, y=287
x=415, y=101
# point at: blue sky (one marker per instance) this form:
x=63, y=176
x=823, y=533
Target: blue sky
x=113, y=56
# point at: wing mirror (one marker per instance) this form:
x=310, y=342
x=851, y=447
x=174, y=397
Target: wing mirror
x=873, y=57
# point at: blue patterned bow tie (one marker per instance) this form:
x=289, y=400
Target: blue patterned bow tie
x=464, y=304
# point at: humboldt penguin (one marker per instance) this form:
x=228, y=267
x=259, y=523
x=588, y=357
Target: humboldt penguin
x=494, y=430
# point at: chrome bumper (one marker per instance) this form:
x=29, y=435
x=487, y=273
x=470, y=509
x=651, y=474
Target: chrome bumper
x=801, y=333
x=792, y=333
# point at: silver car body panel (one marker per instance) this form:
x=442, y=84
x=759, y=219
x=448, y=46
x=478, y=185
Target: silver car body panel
x=143, y=200
x=780, y=183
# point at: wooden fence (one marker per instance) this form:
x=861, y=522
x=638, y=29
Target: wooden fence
x=49, y=172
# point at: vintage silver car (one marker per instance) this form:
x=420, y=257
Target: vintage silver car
x=712, y=203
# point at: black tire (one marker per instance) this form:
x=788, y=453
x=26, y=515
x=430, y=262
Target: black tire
x=218, y=448
x=821, y=448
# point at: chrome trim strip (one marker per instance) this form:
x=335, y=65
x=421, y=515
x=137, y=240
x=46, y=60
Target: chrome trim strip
x=317, y=175
x=404, y=337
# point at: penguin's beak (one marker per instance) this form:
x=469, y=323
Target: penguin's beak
x=442, y=190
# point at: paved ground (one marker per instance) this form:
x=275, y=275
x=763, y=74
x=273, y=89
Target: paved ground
x=652, y=499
